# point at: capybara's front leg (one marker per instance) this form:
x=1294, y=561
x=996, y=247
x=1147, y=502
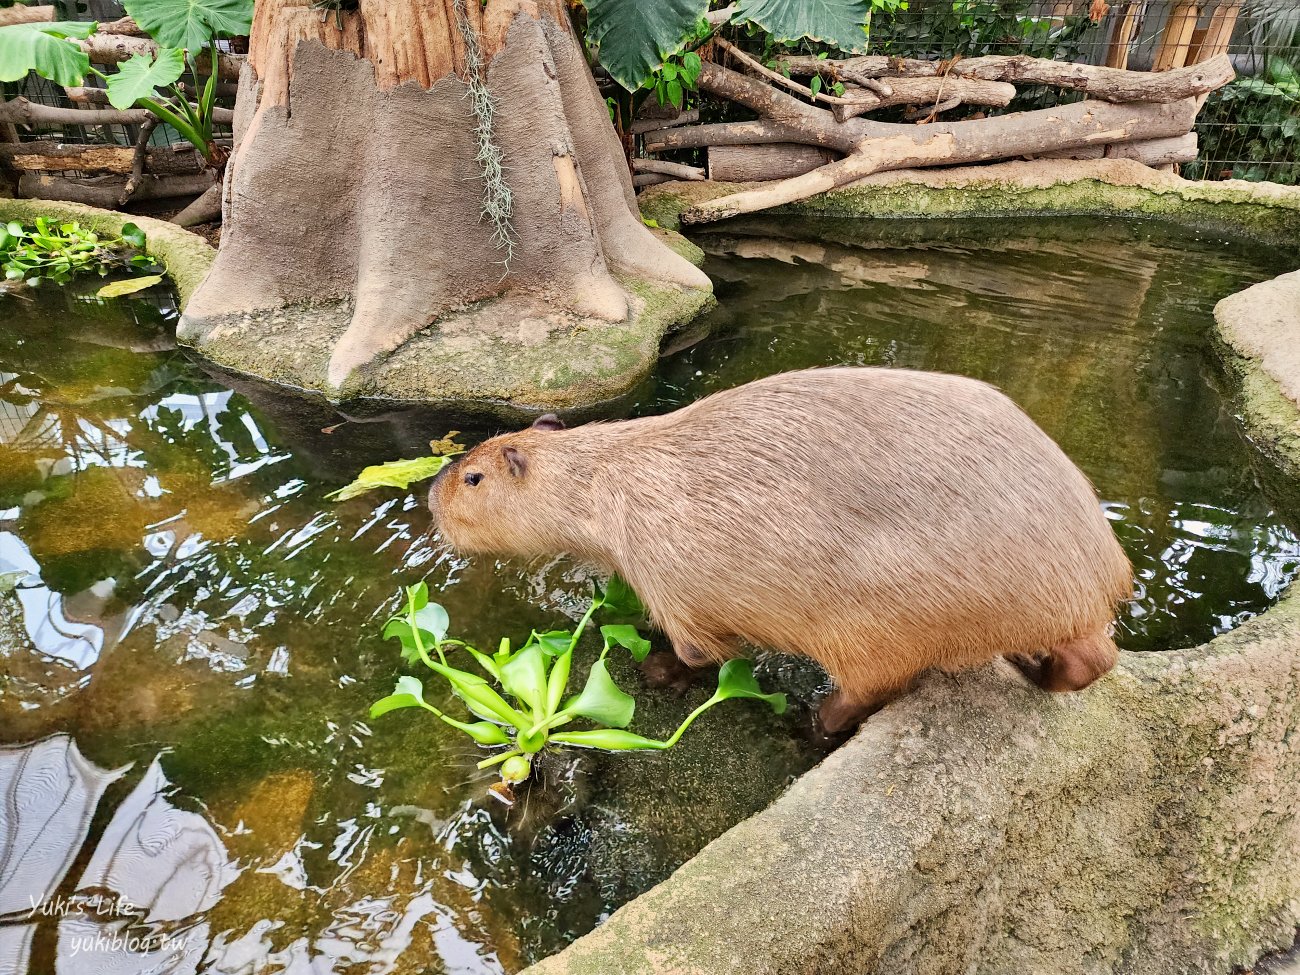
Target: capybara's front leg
x=1071, y=666
x=691, y=655
x=664, y=669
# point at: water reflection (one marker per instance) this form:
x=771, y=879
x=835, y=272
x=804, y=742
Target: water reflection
x=177, y=596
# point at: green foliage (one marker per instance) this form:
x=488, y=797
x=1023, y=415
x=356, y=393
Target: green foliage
x=839, y=23
x=396, y=473
x=46, y=250
x=46, y=49
x=129, y=286
x=636, y=37
x=534, y=680
x=676, y=76
x=971, y=28
x=1252, y=123
x=139, y=75
x=191, y=24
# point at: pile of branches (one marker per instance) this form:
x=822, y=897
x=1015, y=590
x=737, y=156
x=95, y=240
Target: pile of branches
x=105, y=173
x=809, y=135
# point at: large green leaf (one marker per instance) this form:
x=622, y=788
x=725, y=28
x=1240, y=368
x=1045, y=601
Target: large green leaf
x=45, y=49
x=128, y=286
x=628, y=638
x=635, y=36
x=524, y=677
x=602, y=700
x=736, y=679
x=396, y=473
x=835, y=22
x=140, y=75
x=191, y=23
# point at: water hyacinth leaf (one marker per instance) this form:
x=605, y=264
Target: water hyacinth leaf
x=555, y=642
x=140, y=75
x=557, y=681
x=628, y=638
x=635, y=37
x=479, y=697
x=401, y=629
x=191, y=24
x=836, y=22
x=483, y=732
x=525, y=678
x=602, y=700
x=396, y=474
x=128, y=287
x=133, y=235
x=736, y=679
x=409, y=693
x=46, y=49
x=619, y=599
x=609, y=739
x=431, y=618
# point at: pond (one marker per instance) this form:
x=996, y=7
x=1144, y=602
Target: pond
x=190, y=629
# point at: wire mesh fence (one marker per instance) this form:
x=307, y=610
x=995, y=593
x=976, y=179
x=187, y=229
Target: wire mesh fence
x=1248, y=130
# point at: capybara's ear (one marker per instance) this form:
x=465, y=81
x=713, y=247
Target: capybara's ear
x=548, y=421
x=515, y=462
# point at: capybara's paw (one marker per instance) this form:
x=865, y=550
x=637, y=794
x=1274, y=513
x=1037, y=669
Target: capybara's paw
x=840, y=715
x=663, y=669
x=1032, y=665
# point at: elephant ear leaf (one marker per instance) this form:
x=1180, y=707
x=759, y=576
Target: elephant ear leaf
x=191, y=24
x=836, y=22
x=140, y=75
x=47, y=49
x=636, y=36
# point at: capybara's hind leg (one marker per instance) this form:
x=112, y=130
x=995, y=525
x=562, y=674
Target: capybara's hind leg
x=841, y=711
x=1070, y=666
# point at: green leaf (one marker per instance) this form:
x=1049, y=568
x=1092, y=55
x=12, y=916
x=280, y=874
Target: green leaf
x=555, y=642
x=479, y=697
x=557, y=682
x=128, y=287
x=409, y=693
x=140, y=75
x=609, y=739
x=602, y=700
x=815, y=86
x=47, y=49
x=191, y=24
x=524, y=677
x=628, y=638
x=636, y=36
x=133, y=235
x=431, y=618
x=396, y=473
x=835, y=22
x=736, y=679
x=483, y=732
x=619, y=599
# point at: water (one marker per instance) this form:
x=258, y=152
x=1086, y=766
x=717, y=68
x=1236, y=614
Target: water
x=190, y=633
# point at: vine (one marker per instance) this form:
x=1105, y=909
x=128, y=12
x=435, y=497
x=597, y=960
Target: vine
x=497, y=203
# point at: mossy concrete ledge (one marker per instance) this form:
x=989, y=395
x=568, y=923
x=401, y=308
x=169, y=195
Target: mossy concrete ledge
x=187, y=257
x=1150, y=825
x=1122, y=187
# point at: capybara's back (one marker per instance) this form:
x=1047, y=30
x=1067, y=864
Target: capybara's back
x=881, y=521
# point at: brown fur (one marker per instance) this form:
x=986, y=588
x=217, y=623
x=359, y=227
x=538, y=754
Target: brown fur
x=880, y=521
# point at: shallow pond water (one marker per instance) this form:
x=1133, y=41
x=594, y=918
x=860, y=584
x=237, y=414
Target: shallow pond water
x=189, y=628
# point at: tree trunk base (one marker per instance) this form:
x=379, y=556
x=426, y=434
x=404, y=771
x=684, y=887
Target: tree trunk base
x=359, y=256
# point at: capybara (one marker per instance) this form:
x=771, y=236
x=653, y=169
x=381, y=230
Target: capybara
x=880, y=521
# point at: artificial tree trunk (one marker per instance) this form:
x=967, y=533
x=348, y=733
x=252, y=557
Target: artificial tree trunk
x=415, y=165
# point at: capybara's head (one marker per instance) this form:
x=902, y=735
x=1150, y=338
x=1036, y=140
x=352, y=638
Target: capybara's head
x=507, y=495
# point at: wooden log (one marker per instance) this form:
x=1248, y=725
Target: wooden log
x=949, y=91
x=21, y=111
x=665, y=168
x=877, y=147
x=643, y=125
x=735, y=134
x=1157, y=152
x=106, y=191
x=1121, y=40
x=105, y=48
x=749, y=164
x=205, y=209
x=650, y=179
x=19, y=14
x=1106, y=84
x=1176, y=38
x=55, y=157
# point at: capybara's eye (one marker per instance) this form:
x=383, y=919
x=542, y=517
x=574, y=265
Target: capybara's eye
x=473, y=478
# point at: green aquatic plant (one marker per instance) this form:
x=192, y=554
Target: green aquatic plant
x=402, y=473
x=46, y=250
x=521, y=698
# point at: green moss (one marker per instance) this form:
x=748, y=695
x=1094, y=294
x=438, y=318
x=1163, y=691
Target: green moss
x=187, y=257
